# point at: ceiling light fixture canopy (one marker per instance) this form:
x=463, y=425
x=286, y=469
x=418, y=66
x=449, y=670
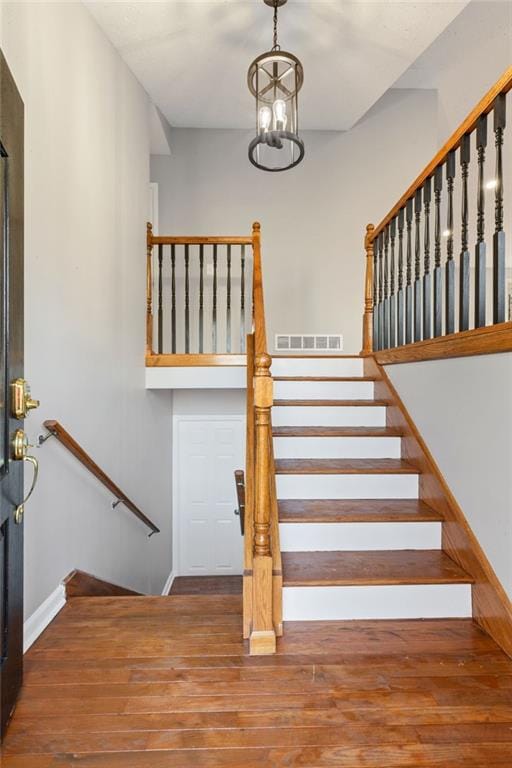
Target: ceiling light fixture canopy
x=275, y=79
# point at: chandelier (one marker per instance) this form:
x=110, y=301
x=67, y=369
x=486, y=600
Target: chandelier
x=275, y=79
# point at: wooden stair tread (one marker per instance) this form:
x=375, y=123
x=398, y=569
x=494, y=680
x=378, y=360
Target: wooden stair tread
x=343, y=467
x=371, y=567
x=342, y=403
x=320, y=431
x=355, y=511
x=325, y=378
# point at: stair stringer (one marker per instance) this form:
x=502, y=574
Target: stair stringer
x=491, y=607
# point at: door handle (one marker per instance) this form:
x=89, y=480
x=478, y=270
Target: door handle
x=20, y=453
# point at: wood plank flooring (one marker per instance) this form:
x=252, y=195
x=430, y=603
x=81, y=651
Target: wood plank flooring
x=206, y=585
x=138, y=682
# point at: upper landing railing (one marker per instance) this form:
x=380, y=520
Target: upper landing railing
x=199, y=297
x=434, y=287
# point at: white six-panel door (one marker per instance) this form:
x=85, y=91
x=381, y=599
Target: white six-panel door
x=207, y=538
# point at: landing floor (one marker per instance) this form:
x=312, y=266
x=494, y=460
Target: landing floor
x=139, y=682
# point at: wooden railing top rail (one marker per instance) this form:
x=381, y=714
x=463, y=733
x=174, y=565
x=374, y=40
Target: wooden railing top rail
x=197, y=240
x=58, y=431
x=484, y=106
x=260, y=333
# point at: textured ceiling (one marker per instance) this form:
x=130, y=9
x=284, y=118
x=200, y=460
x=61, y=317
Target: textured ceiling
x=192, y=56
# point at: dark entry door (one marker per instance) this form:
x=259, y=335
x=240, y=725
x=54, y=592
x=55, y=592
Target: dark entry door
x=14, y=397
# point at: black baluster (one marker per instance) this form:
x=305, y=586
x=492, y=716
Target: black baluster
x=381, y=292
x=450, y=264
x=228, y=301
x=376, y=329
x=173, y=298
x=438, y=272
x=417, y=267
x=201, y=299
x=214, y=304
x=464, y=252
x=187, y=302
x=385, y=308
x=242, y=299
x=160, y=301
x=498, y=269
x=427, y=277
x=392, y=299
x=400, y=302
x=408, y=285
x=480, y=248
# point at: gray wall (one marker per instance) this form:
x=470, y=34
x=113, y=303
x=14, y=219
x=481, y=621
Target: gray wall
x=463, y=410
x=87, y=171
x=313, y=217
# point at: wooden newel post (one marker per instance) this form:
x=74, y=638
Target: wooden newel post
x=263, y=638
x=368, y=293
x=149, y=289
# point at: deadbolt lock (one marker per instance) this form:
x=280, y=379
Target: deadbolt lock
x=21, y=400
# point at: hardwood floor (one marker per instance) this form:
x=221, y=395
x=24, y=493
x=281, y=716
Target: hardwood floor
x=206, y=585
x=138, y=682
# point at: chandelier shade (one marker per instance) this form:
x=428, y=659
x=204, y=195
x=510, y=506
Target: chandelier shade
x=275, y=79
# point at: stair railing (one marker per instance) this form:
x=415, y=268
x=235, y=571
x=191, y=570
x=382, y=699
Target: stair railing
x=196, y=298
x=55, y=429
x=426, y=295
x=262, y=592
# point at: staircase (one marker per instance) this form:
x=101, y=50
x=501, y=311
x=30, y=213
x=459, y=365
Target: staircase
x=356, y=541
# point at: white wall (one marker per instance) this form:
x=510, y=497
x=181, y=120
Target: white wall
x=313, y=217
x=87, y=158
x=463, y=410
x=464, y=61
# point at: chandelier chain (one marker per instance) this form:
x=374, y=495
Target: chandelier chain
x=276, y=46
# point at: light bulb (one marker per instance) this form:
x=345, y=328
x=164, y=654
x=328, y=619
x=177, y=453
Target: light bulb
x=280, y=115
x=491, y=184
x=265, y=118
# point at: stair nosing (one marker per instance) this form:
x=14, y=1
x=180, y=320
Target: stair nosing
x=328, y=431
x=350, y=379
x=342, y=403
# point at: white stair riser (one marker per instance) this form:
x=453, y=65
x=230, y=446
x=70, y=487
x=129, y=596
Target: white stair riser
x=337, y=447
x=347, y=486
x=329, y=537
x=319, y=366
x=329, y=416
x=323, y=390
x=410, y=601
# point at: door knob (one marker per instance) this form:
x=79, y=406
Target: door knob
x=21, y=400
x=20, y=448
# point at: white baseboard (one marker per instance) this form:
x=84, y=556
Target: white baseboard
x=168, y=584
x=40, y=619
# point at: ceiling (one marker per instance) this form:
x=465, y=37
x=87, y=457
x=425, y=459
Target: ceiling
x=192, y=56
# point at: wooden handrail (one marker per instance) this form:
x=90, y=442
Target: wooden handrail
x=58, y=431
x=484, y=106
x=200, y=240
